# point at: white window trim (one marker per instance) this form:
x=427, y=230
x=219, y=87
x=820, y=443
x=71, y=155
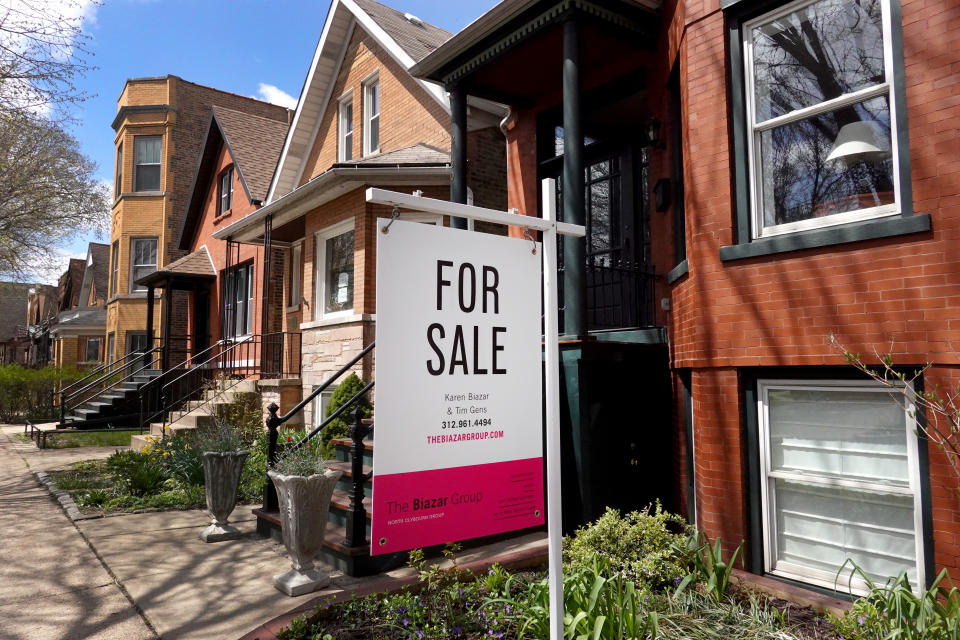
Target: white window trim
x=320, y=251
x=754, y=130
x=368, y=82
x=134, y=288
x=342, y=102
x=768, y=508
x=227, y=171
x=318, y=402
x=296, y=266
x=423, y=218
x=250, y=268
x=147, y=164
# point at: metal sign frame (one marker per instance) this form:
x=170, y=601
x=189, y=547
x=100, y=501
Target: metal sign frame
x=550, y=227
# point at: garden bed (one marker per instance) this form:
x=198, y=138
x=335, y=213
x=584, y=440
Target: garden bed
x=74, y=439
x=166, y=475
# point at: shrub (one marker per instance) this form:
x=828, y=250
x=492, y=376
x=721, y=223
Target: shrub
x=27, y=393
x=340, y=427
x=244, y=414
x=139, y=473
x=641, y=545
x=895, y=611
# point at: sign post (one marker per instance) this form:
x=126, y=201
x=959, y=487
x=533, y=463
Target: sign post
x=438, y=299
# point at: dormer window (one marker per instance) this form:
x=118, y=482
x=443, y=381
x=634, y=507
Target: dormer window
x=371, y=116
x=345, y=141
x=225, y=191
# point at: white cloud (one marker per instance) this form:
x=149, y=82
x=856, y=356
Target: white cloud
x=276, y=95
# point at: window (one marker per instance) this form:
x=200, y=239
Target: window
x=238, y=301
x=345, y=137
x=111, y=346
x=92, y=350
x=320, y=405
x=293, y=276
x=334, y=279
x=118, y=180
x=143, y=260
x=137, y=342
x=819, y=115
x=839, y=479
x=225, y=192
x=371, y=116
x=146, y=168
x=114, y=266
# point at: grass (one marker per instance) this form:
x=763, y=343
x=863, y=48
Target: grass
x=118, y=438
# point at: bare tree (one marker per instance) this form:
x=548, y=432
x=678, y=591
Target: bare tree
x=48, y=194
x=43, y=52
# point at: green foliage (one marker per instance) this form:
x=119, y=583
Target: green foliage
x=117, y=438
x=254, y=470
x=138, y=473
x=243, y=414
x=709, y=568
x=27, y=393
x=304, y=461
x=641, y=545
x=340, y=426
x=893, y=610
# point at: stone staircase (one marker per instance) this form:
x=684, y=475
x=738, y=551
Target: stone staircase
x=195, y=413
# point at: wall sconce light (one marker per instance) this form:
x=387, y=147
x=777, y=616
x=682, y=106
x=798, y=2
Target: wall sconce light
x=652, y=129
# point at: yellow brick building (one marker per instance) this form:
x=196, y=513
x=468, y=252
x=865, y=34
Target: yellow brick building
x=160, y=126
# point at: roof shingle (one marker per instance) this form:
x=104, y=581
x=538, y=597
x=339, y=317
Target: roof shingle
x=417, y=38
x=255, y=145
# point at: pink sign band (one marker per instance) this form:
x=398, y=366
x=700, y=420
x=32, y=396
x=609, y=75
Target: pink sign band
x=425, y=508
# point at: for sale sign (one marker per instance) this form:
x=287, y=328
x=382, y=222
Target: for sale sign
x=458, y=398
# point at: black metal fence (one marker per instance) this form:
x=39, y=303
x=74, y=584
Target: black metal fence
x=618, y=297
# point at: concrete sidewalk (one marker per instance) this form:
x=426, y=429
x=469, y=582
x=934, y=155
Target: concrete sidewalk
x=52, y=585
x=185, y=588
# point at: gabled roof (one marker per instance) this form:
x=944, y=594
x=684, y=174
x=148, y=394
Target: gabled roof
x=417, y=155
x=416, y=37
x=406, y=39
x=13, y=309
x=197, y=266
x=254, y=144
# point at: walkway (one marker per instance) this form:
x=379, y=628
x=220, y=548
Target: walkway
x=185, y=588
x=52, y=585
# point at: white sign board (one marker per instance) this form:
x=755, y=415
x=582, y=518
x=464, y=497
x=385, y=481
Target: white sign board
x=459, y=441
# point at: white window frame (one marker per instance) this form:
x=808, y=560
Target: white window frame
x=767, y=478
x=754, y=130
x=134, y=287
x=346, y=100
x=368, y=83
x=319, y=272
x=232, y=304
x=147, y=164
x=320, y=404
x=294, y=292
x=225, y=194
x=422, y=218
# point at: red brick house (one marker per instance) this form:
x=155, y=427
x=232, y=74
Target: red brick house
x=755, y=176
x=362, y=121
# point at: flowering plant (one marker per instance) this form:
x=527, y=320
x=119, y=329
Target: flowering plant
x=306, y=460
x=222, y=437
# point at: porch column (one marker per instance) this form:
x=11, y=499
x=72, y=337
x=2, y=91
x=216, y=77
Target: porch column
x=165, y=347
x=150, y=345
x=574, y=252
x=265, y=311
x=458, y=151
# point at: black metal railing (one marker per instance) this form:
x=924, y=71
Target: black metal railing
x=618, y=296
x=100, y=373
x=356, y=532
x=130, y=366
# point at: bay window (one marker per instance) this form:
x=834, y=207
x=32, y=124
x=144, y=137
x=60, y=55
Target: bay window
x=143, y=260
x=821, y=117
x=147, y=161
x=334, y=277
x=839, y=480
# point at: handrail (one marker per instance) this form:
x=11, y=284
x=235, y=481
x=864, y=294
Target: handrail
x=98, y=370
x=77, y=393
x=233, y=345
x=270, y=502
x=124, y=379
x=333, y=416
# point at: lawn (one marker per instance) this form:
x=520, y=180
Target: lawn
x=118, y=438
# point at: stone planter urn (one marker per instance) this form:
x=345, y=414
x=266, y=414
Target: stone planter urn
x=222, y=477
x=304, y=503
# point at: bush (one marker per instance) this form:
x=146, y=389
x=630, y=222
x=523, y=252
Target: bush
x=642, y=546
x=139, y=473
x=27, y=393
x=340, y=427
x=244, y=414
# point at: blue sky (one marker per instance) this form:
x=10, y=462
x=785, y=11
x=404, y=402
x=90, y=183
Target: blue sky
x=259, y=48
